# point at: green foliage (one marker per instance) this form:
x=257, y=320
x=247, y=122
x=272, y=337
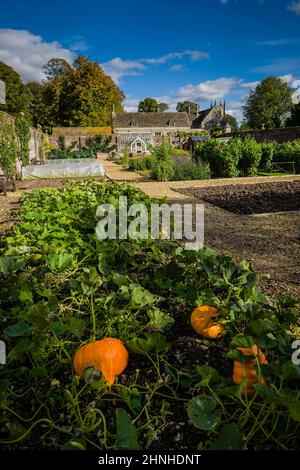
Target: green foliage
x=250, y=157
x=187, y=106
x=126, y=157
x=55, y=154
x=9, y=148
x=55, y=68
x=190, y=171
x=229, y=159
x=267, y=155
x=150, y=105
x=294, y=119
x=77, y=95
x=233, y=122
x=17, y=95
x=288, y=152
x=22, y=128
x=60, y=287
x=268, y=105
x=100, y=143
x=140, y=163
x=162, y=166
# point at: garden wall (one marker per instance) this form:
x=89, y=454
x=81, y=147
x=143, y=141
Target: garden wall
x=37, y=138
x=78, y=134
x=279, y=135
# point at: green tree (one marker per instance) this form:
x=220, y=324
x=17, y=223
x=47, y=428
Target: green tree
x=187, y=106
x=77, y=95
x=294, y=119
x=162, y=107
x=148, y=105
x=55, y=68
x=17, y=95
x=232, y=121
x=86, y=95
x=268, y=105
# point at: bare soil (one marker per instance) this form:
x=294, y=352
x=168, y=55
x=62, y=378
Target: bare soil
x=270, y=241
x=252, y=199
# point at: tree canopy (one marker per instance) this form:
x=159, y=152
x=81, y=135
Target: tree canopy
x=150, y=105
x=17, y=96
x=232, y=121
x=77, y=95
x=294, y=119
x=269, y=104
x=187, y=106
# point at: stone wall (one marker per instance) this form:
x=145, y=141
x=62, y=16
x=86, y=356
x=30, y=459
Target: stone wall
x=77, y=134
x=36, y=139
x=268, y=135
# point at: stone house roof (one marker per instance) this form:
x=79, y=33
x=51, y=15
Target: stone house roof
x=121, y=120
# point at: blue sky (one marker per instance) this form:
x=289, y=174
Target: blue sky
x=172, y=50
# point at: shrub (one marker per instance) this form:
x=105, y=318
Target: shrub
x=140, y=163
x=56, y=154
x=267, y=154
x=190, y=171
x=162, y=166
x=180, y=152
x=288, y=152
x=250, y=157
x=125, y=157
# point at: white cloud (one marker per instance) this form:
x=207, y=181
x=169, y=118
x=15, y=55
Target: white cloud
x=280, y=42
x=249, y=85
x=177, y=68
x=131, y=104
x=209, y=90
x=278, y=66
x=294, y=7
x=287, y=78
x=193, y=55
x=27, y=52
x=118, y=68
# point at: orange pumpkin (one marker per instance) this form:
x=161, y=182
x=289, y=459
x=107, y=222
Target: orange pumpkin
x=107, y=355
x=245, y=370
x=202, y=320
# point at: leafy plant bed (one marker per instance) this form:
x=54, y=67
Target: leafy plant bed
x=62, y=288
x=255, y=198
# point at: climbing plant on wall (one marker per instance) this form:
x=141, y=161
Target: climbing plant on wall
x=22, y=127
x=9, y=148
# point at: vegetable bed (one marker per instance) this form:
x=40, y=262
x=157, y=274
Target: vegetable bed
x=61, y=289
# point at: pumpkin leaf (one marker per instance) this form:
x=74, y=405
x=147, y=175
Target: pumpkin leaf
x=141, y=297
x=74, y=444
x=293, y=406
x=154, y=342
x=209, y=375
x=17, y=330
x=229, y=438
x=59, y=261
x=127, y=433
x=203, y=413
x=159, y=320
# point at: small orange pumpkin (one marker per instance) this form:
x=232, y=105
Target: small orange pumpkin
x=245, y=370
x=107, y=355
x=202, y=320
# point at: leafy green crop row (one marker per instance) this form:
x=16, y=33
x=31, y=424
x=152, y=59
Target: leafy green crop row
x=61, y=288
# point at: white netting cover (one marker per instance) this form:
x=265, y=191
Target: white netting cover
x=76, y=168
